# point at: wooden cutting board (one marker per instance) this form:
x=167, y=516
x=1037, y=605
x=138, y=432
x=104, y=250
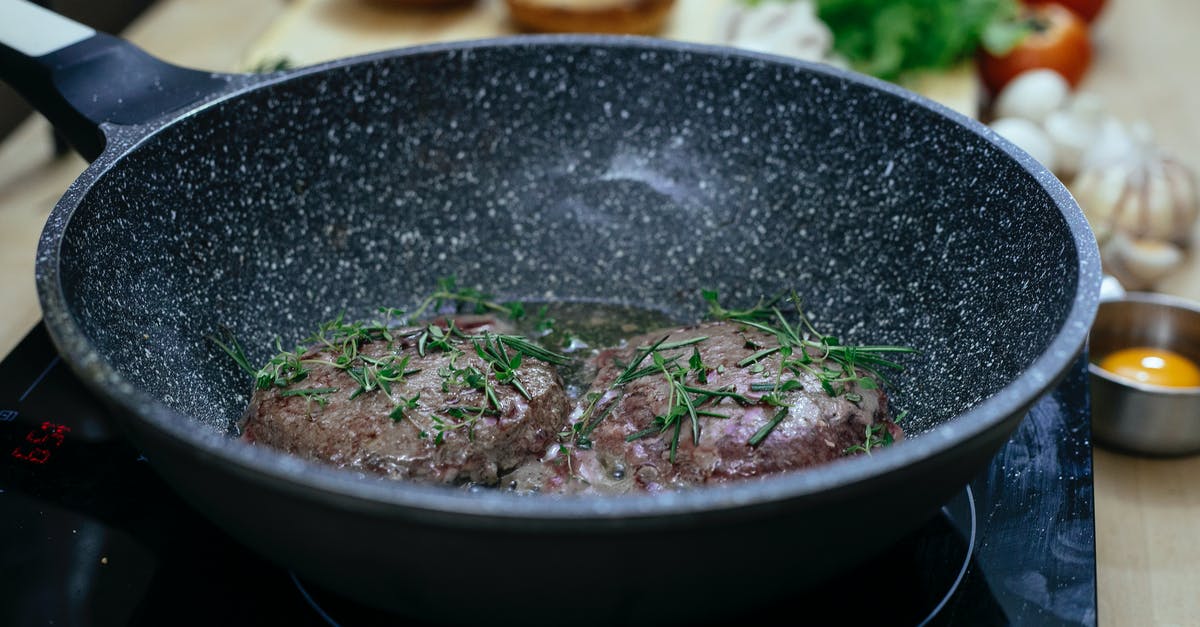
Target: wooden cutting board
x=311, y=31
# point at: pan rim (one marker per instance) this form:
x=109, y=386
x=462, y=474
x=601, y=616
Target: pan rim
x=366, y=494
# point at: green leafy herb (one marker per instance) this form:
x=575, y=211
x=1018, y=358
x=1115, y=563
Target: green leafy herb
x=465, y=300
x=272, y=64
x=403, y=406
x=877, y=435
x=524, y=347
x=633, y=370
x=838, y=368
x=766, y=429
x=890, y=38
x=317, y=395
x=503, y=366
x=339, y=343
x=835, y=365
x=282, y=370
x=680, y=404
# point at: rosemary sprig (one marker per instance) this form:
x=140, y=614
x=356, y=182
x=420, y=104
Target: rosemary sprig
x=632, y=371
x=525, y=347
x=680, y=404
x=233, y=348
x=670, y=345
x=503, y=367
x=465, y=300
x=861, y=365
x=766, y=429
x=318, y=395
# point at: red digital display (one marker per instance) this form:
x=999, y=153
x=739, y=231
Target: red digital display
x=40, y=442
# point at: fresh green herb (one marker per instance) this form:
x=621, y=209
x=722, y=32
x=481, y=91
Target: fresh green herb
x=680, y=404
x=766, y=429
x=403, y=406
x=503, y=366
x=670, y=345
x=376, y=374
x=545, y=324
x=348, y=337
x=838, y=368
x=339, y=343
x=234, y=350
x=465, y=300
x=563, y=455
x=434, y=337
x=633, y=370
x=877, y=435
x=705, y=395
x=272, y=64
x=696, y=365
x=317, y=395
x=468, y=376
x=890, y=38
x=282, y=370
x=814, y=351
x=524, y=347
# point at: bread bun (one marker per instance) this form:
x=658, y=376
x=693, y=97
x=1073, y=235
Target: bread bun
x=632, y=17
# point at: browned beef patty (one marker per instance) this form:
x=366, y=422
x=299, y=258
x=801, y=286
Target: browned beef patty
x=366, y=433
x=817, y=428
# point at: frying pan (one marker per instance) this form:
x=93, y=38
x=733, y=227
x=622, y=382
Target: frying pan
x=603, y=169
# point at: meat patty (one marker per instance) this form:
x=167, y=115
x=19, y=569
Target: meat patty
x=624, y=449
x=446, y=419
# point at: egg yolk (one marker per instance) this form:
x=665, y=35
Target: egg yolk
x=1153, y=366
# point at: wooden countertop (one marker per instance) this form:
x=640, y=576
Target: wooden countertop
x=1146, y=510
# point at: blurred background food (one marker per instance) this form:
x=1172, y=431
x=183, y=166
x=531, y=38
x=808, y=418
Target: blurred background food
x=627, y=17
x=1021, y=66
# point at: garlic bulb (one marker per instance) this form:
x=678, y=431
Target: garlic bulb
x=1141, y=203
x=784, y=28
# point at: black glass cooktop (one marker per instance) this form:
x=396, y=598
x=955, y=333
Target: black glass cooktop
x=89, y=535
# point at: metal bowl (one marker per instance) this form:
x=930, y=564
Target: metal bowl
x=1136, y=417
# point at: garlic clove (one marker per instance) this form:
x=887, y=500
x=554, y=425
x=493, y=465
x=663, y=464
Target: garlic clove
x=1032, y=95
x=1140, y=263
x=1070, y=138
x=1074, y=129
x=1028, y=136
x=1101, y=193
x=1113, y=143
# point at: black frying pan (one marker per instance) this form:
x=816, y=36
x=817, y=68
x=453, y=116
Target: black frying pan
x=599, y=169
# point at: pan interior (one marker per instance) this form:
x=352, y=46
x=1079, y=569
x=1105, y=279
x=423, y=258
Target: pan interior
x=597, y=173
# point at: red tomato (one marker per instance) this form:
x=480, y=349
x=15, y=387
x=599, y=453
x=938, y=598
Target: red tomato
x=1059, y=41
x=1086, y=9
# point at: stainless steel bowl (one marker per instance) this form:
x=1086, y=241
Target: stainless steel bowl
x=1132, y=416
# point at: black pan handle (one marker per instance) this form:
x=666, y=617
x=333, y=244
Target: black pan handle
x=79, y=78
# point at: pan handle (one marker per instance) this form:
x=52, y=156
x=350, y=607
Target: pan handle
x=79, y=78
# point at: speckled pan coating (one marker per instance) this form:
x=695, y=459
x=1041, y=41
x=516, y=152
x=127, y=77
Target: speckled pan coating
x=607, y=169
